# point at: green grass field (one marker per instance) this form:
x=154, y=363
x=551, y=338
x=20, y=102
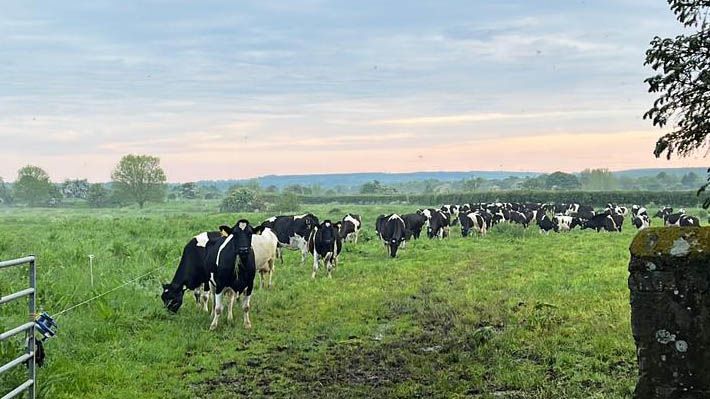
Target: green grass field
x=515, y=314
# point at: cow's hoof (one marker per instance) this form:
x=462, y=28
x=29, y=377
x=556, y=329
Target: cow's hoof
x=213, y=327
x=247, y=326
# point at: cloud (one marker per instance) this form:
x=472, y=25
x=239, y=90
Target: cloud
x=492, y=116
x=278, y=83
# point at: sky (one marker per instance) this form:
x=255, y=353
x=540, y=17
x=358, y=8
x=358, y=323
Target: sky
x=227, y=89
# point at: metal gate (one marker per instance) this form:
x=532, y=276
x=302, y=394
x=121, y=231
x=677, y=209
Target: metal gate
x=29, y=328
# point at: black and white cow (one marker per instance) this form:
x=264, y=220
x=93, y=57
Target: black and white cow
x=472, y=221
x=518, y=217
x=618, y=220
x=350, y=227
x=638, y=210
x=414, y=222
x=546, y=224
x=599, y=222
x=325, y=244
x=663, y=212
x=614, y=208
x=453, y=212
x=234, y=266
x=217, y=263
x=582, y=211
x=192, y=272
x=392, y=230
x=641, y=221
x=438, y=223
x=680, y=219
x=292, y=232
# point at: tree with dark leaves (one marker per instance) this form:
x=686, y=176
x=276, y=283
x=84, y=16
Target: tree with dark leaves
x=33, y=186
x=682, y=83
x=139, y=178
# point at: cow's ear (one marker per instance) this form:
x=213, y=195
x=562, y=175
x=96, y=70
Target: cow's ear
x=225, y=230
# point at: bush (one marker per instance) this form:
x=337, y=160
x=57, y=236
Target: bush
x=288, y=202
x=242, y=200
x=98, y=196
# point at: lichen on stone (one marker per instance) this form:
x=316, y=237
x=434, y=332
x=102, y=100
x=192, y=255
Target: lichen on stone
x=656, y=241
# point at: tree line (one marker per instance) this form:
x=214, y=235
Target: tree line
x=135, y=179
x=139, y=179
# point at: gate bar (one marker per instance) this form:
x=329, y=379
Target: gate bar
x=16, y=330
x=17, y=295
x=20, y=389
x=15, y=262
x=7, y=366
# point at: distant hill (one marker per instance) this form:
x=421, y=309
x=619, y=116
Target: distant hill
x=358, y=179
x=635, y=173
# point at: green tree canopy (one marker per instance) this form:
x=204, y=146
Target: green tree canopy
x=562, y=181
x=375, y=187
x=534, y=183
x=287, y=202
x=189, y=190
x=98, y=196
x=5, y=195
x=297, y=189
x=682, y=81
x=598, y=179
x=33, y=186
x=243, y=199
x=139, y=178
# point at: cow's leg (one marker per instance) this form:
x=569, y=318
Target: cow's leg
x=357, y=233
x=272, y=268
x=217, y=310
x=329, y=265
x=261, y=279
x=213, y=290
x=198, y=296
x=205, y=297
x=232, y=297
x=245, y=307
x=279, y=254
x=315, y=262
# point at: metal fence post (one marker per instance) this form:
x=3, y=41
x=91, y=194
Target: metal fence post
x=31, y=332
x=29, y=328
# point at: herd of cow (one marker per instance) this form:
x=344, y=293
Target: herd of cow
x=226, y=261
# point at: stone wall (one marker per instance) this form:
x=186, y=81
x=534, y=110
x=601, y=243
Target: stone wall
x=669, y=280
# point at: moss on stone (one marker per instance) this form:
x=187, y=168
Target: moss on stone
x=661, y=240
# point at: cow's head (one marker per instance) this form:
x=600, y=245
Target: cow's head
x=328, y=232
x=225, y=230
x=305, y=224
x=172, y=297
x=395, y=242
x=663, y=212
x=242, y=233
